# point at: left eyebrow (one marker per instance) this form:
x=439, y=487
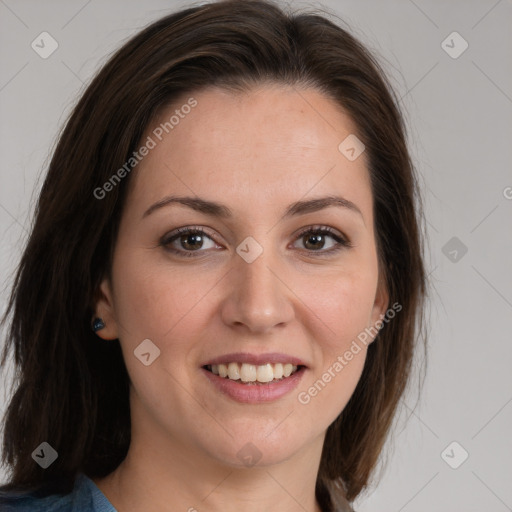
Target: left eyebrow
x=215, y=209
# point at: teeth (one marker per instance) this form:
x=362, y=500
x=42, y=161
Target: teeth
x=233, y=372
x=252, y=373
x=265, y=373
x=248, y=372
x=278, y=371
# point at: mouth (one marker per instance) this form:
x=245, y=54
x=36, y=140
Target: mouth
x=254, y=378
x=252, y=374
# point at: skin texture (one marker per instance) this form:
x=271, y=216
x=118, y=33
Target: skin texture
x=257, y=153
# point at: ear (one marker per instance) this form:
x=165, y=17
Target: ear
x=380, y=307
x=104, y=308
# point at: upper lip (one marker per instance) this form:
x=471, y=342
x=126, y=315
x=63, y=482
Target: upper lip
x=255, y=359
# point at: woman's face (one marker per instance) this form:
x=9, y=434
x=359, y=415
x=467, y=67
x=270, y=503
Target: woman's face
x=259, y=286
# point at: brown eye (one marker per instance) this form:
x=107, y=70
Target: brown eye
x=186, y=241
x=191, y=241
x=316, y=240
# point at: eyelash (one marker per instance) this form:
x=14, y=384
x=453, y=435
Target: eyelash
x=341, y=243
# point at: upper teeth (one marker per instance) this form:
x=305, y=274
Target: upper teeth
x=252, y=373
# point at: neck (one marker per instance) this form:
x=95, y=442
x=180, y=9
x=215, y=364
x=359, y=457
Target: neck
x=180, y=478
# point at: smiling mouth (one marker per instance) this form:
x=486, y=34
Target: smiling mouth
x=254, y=374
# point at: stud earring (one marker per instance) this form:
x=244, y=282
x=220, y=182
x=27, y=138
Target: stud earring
x=97, y=324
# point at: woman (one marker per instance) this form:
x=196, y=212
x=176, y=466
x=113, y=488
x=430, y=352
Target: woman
x=223, y=288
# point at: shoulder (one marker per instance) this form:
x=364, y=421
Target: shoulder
x=30, y=503
x=85, y=497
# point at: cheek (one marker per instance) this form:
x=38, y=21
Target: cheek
x=339, y=306
x=153, y=298
x=169, y=306
x=344, y=308
x=343, y=303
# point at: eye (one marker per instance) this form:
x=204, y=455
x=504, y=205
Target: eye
x=189, y=240
x=314, y=240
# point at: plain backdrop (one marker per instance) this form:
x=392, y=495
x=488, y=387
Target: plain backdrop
x=451, y=63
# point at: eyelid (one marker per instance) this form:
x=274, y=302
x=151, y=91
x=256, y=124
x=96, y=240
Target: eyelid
x=324, y=228
x=175, y=233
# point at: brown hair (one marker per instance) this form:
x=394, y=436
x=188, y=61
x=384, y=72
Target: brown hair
x=72, y=388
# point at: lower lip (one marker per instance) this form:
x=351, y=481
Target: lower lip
x=255, y=393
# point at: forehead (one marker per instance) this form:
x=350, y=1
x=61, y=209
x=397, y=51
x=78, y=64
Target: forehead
x=273, y=143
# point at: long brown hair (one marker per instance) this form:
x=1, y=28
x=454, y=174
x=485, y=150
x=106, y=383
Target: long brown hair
x=72, y=388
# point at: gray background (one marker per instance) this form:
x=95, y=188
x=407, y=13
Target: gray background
x=460, y=115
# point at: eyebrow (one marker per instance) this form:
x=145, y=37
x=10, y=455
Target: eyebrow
x=219, y=210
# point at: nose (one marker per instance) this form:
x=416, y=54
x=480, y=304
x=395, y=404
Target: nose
x=258, y=297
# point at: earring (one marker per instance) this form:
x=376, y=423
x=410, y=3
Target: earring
x=97, y=324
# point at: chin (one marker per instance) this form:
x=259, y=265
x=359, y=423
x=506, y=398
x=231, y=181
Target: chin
x=265, y=447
